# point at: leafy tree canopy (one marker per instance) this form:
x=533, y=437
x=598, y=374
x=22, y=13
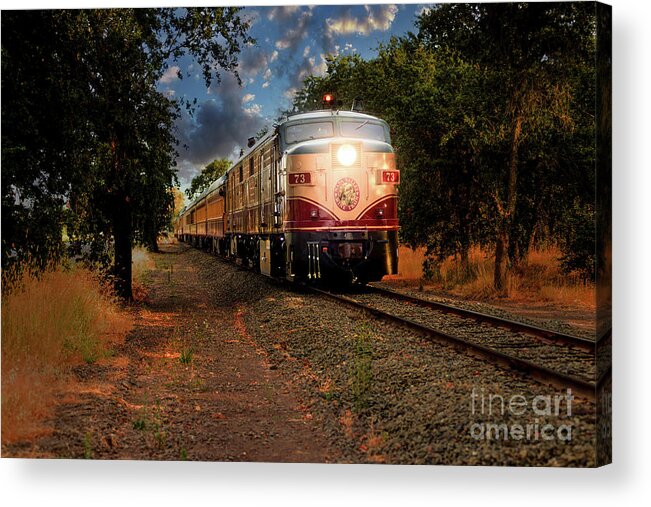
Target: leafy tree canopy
x=207, y=176
x=87, y=139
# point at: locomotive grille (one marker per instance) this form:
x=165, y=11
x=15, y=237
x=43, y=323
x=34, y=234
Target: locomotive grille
x=334, y=147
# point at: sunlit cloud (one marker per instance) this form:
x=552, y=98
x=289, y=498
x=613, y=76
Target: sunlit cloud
x=171, y=74
x=378, y=17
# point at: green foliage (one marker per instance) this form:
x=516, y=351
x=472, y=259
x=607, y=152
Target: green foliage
x=208, y=175
x=139, y=424
x=88, y=445
x=361, y=368
x=578, y=240
x=186, y=355
x=87, y=138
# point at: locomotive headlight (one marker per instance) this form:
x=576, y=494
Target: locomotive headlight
x=347, y=155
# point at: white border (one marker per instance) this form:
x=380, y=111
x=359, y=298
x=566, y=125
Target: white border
x=65, y=482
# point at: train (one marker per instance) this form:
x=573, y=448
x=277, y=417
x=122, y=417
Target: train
x=313, y=200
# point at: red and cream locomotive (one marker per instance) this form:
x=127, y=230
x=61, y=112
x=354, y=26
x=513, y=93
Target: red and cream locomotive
x=314, y=199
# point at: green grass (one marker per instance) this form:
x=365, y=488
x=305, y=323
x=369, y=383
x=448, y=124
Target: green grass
x=88, y=445
x=186, y=355
x=361, y=377
x=140, y=424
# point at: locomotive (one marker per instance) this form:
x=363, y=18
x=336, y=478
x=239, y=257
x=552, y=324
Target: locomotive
x=315, y=199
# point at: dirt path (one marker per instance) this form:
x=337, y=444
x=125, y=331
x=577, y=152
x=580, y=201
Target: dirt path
x=188, y=383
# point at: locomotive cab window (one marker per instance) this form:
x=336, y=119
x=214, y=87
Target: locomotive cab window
x=306, y=131
x=365, y=129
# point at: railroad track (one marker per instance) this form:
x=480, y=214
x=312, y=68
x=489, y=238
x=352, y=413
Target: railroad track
x=548, y=335
x=556, y=351
x=549, y=357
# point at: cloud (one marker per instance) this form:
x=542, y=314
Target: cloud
x=423, y=9
x=293, y=58
x=300, y=28
x=248, y=98
x=267, y=78
x=378, y=17
x=218, y=129
x=282, y=13
x=252, y=61
x=253, y=109
x=171, y=74
x=290, y=93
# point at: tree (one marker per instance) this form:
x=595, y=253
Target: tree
x=530, y=53
x=179, y=204
x=87, y=137
x=212, y=172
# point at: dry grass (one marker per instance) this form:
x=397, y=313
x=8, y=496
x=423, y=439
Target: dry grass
x=539, y=279
x=142, y=264
x=49, y=324
x=410, y=263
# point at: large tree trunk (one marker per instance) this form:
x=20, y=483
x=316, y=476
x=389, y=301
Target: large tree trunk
x=465, y=262
x=122, y=234
x=153, y=243
x=502, y=242
x=499, y=278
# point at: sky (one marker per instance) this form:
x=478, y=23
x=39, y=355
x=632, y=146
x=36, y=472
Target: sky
x=291, y=43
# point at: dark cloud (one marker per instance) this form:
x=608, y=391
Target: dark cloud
x=253, y=60
x=298, y=28
x=218, y=129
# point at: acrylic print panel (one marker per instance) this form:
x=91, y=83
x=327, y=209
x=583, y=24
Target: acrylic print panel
x=329, y=234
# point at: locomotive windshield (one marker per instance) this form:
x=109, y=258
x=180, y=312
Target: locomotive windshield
x=364, y=129
x=307, y=131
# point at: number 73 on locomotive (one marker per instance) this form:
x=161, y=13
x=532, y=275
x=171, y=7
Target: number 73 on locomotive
x=315, y=199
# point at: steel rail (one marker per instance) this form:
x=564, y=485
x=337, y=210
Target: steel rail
x=584, y=344
x=534, y=371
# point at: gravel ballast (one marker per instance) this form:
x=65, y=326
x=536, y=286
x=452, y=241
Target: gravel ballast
x=386, y=395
